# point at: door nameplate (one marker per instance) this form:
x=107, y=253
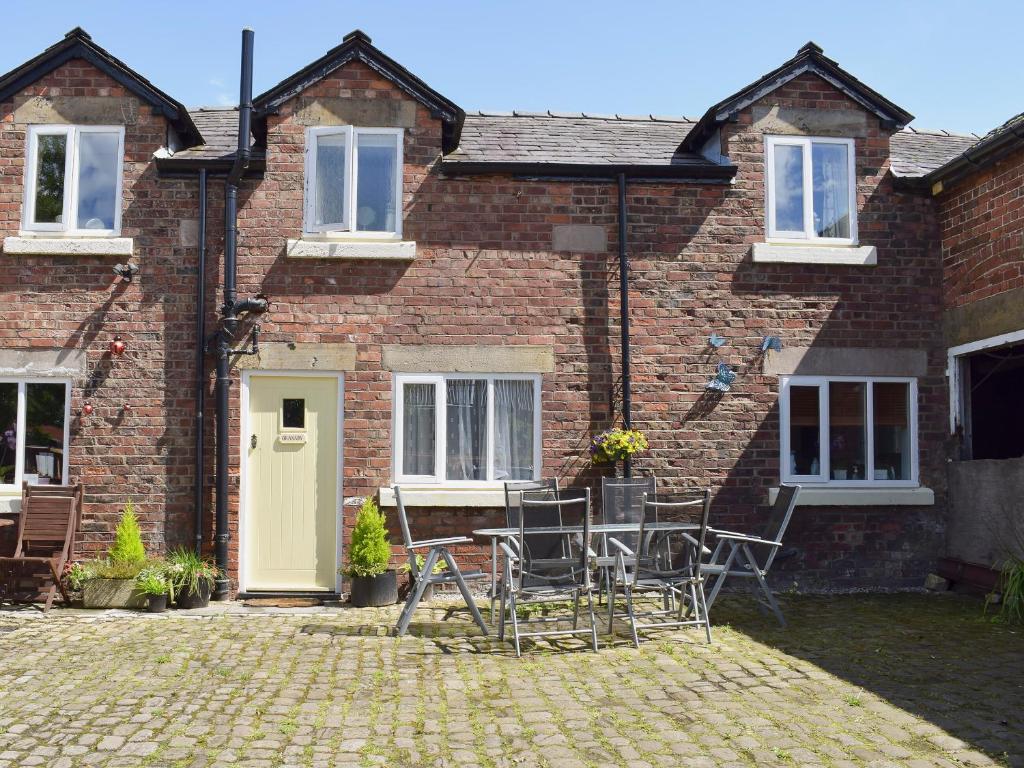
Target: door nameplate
x=292, y=437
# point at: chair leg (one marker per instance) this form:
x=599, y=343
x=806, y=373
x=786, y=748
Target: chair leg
x=494, y=575
x=720, y=580
x=515, y=621
x=576, y=610
x=593, y=619
x=416, y=593
x=501, y=615
x=466, y=595
x=772, y=602
x=701, y=611
x=612, y=587
x=628, y=593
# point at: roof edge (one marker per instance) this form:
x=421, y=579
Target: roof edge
x=709, y=172
x=810, y=58
x=989, y=149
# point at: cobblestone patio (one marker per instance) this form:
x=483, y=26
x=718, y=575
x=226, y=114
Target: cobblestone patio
x=907, y=680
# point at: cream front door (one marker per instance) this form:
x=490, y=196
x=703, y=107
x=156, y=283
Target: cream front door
x=292, y=483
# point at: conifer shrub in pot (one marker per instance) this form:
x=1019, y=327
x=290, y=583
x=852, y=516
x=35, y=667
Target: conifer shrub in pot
x=369, y=555
x=111, y=582
x=192, y=578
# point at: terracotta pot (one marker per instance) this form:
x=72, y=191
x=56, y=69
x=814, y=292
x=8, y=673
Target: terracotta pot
x=374, y=591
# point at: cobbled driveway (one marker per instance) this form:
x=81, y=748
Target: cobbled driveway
x=907, y=680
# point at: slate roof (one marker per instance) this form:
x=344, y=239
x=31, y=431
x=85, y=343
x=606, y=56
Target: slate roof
x=572, y=138
x=917, y=152
x=219, y=127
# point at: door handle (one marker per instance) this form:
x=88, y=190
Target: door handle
x=252, y=442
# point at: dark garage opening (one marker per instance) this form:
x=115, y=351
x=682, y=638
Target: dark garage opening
x=994, y=387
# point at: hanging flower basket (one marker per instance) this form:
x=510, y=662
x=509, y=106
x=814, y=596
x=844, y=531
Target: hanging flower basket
x=616, y=444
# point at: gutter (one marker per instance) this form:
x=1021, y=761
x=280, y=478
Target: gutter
x=607, y=172
x=979, y=156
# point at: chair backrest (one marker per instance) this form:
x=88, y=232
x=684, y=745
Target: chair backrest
x=513, y=495
x=673, y=531
x=778, y=519
x=49, y=518
x=622, y=501
x=549, y=553
x=403, y=521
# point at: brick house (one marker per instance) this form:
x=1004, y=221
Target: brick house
x=443, y=300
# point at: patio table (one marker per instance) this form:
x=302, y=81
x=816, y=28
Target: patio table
x=604, y=529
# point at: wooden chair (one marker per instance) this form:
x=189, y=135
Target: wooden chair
x=46, y=534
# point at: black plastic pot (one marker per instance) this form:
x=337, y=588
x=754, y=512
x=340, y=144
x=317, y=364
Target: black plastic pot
x=374, y=591
x=156, y=603
x=190, y=599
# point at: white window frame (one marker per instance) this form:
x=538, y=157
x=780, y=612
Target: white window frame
x=808, y=235
x=71, y=163
x=21, y=420
x=440, y=436
x=347, y=227
x=822, y=478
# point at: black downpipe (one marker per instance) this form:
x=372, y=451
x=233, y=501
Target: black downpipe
x=200, y=362
x=231, y=309
x=627, y=399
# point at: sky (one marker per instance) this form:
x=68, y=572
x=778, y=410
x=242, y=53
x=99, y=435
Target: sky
x=955, y=65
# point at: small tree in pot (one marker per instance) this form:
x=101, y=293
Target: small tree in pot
x=368, y=558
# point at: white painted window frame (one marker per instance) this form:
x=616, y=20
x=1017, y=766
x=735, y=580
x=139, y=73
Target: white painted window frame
x=822, y=479
x=21, y=421
x=808, y=235
x=71, y=168
x=440, y=417
x=347, y=227
x=956, y=359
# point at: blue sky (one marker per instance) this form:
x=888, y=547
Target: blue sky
x=954, y=65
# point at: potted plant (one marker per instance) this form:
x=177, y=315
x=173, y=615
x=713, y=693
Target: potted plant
x=192, y=578
x=154, y=584
x=428, y=592
x=110, y=583
x=616, y=444
x=373, y=584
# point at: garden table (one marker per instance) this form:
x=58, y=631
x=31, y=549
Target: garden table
x=603, y=529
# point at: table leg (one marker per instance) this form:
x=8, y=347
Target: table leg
x=494, y=574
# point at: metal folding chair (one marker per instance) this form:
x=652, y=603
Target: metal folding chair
x=513, y=495
x=622, y=501
x=437, y=549
x=666, y=560
x=742, y=560
x=546, y=561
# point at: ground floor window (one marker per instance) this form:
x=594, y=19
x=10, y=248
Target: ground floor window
x=849, y=431
x=987, y=382
x=34, y=417
x=466, y=428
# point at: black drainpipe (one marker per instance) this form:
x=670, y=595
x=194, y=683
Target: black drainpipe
x=200, y=362
x=231, y=310
x=627, y=400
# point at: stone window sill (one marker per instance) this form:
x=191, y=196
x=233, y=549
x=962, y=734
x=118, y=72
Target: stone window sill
x=860, y=497
x=437, y=496
x=842, y=255
x=387, y=250
x=68, y=246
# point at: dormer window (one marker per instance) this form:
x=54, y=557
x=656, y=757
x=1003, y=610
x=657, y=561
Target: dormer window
x=354, y=181
x=810, y=191
x=73, y=179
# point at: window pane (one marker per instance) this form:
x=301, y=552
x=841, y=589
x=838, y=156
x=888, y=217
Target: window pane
x=50, y=156
x=44, y=432
x=789, y=188
x=804, y=431
x=330, y=180
x=831, y=190
x=846, y=406
x=97, y=179
x=513, y=430
x=376, y=207
x=892, y=430
x=293, y=413
x=8, y=430
x=418, y=420
x=467, y=429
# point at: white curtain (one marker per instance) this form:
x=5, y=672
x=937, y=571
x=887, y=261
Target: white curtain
x=467, y=429
x=513, y=430
x=418, y=409
x=833, y=217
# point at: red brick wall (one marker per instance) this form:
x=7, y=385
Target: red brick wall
x=981, y=222
x=144, y=453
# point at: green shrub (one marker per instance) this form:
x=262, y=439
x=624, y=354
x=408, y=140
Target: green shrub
x=1012, y=606
x=370, y=552
x=127, y=548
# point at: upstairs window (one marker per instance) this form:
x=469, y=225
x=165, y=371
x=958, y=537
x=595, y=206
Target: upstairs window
x=467, y=428
x=354, y=181
x=73, y=179
x=810, y=191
